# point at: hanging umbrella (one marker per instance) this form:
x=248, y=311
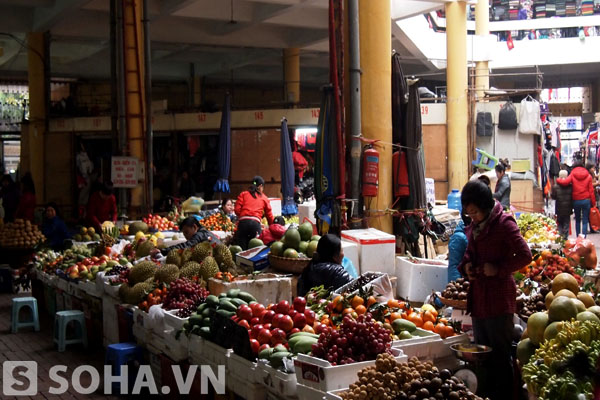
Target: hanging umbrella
x=399, y=100
x=415, y=158
x=288, y=206
x=327, y=183
x=222, y=184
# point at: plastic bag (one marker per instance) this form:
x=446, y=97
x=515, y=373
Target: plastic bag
x=156, y=318
x=192, y=204
x=349, y=267
x=529, y=116
x=582, y=252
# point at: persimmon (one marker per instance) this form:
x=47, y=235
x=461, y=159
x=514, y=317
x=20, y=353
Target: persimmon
x=393, y=303
x=360, y=309
x=348, y=310
x=338, y=303
x=416, y=319
x=428, y=326
x=428, y=316
x=440, y=329
x=395, y=315
x=371, y=300
x=357, y=301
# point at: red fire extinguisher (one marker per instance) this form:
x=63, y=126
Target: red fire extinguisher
x=370, y=172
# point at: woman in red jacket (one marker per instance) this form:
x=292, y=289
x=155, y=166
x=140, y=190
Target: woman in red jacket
x=495, y=250
x=250, y=207
x=583, y=195
x=102, y=206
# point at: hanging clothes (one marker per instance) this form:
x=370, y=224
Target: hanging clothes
x=554, y=133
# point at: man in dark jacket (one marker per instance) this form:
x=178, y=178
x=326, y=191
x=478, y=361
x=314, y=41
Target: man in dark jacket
x=502, y=192
x=194, y=234
x=563, y=195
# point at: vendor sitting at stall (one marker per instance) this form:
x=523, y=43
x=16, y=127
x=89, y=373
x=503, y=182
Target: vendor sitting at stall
x=325, y=268
x=102, y=206
x=54, y=228
x=228, y=209
x=194, y=233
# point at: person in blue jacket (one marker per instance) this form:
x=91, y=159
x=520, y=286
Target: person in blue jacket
x=457, y=247
x=54, y=228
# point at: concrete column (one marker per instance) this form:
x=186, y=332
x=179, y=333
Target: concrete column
x=37, y=57
x=291, y=68
x=482, y=20
x=376, y=98
x=457, y=102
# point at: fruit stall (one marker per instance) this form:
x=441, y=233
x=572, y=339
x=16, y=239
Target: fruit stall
x=398, y=330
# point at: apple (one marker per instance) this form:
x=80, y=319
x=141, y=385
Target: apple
x=255, y=345
x=299, y=321
x=267, y=317
x=292, y=313
x=244, y=323
x=295, y=330
x=276, y=320
x=255, y=330
x=264, y=336
x=263, y=347
x=299, y=304
x=244, y=312
x=286, y=323
x=308, y=328
x=278, y=336
x=310, y=316
x=268, y=326
x=257, y=309
x=83, y=268
x=74, y=275
x=283, y=307
x=254, y=321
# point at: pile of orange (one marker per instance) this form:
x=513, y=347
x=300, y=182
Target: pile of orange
x=153, y=298
x=218, y=222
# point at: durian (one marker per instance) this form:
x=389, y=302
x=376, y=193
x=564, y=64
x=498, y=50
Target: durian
x=142, y=271
x=144, y=248
x=208, y=268
x=190, y=270
x=174, y=257
x=167, y=273
x=201, y=251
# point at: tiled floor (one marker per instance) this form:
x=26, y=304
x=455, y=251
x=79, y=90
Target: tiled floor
x=38, y=346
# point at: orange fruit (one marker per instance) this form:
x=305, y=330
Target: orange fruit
x=444, y=321
x=338, y=303
x=440, y=329
x=326, y=321
x=415, y=319
x=428, y=316
x=357, y=301
x=428, y=326
x=360, y=310
x=371, y=300
x=402, y=305
x=449, y=331
x=395, y=315
x=348, y=310
x=393, y=303
x=545, y=254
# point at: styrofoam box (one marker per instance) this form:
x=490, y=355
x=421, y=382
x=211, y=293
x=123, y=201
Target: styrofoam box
x=216, y=354
x=173, y=320
x=266, y=288
x=416, y=281
x=382, y=286
x=351, y=251
x=90, y=288
x=423, y=347
x=175, y=348
x=242, y=368
x=110, y=324
x=306, y=210
x=445, y=351
x=376, y=249
x=275, y=205
x=246, y=390
x=334, y=394
x=308, y=393
x=277, y=382
x=111, y=291
x=196, y=350
x=142, y=335
x=321, y=375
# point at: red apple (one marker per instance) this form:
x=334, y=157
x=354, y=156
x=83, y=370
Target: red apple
x=283, y=307
x=292, y=313
x=299, y=320
x=244, y=312
x=255, y=345
x=244, y=323
x=276, y=320
x=295, y=330
x=257, y=309
x=299, y=304
x=255, y=330
x=267, y=316
x=310, y=316
x=263, y=347
x=286, y=323
x=264, y=336
x=278, y=336
x=254, y=321
x=268, y=326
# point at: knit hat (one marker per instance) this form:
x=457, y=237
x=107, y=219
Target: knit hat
x=563, y=173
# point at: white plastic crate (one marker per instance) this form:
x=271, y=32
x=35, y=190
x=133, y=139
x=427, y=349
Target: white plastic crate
x=142, y=335
x=196, y=350
x=279, y=383
x=172, y=320
x=308, y=393
x=415, y=281
x=322, y=376
x=266, y=288
x=216, y=354
x=242, y=368
x=376, y=249
x=382, y=286
x=111, y=290
x=248, y=391
x=90, y=288
x=62, y=284
x=175, y=348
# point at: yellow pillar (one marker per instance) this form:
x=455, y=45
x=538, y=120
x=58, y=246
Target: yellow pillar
x=36, y=54
x=482, y=20
x=376, y=98
x=291, y=67
x=457, y=104
x=133, y=43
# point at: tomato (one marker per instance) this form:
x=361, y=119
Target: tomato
x=278, y=336
x=263, y=347
x=254, y=321
x=310, y=316
x=299, y=320
x=264, y=336
x=255, y=330
x=267, y=316
x=286, y=323
x=244, y=323
x=299, y=304
x=268, y=326
x=277, y=319
x=283, y=307
x=244, y=312
x=254, y=345
x=292, y=313
x=257, y=309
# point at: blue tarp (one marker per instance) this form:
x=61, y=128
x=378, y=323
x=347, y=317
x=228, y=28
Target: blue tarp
x=222, y=184
x=288, y=206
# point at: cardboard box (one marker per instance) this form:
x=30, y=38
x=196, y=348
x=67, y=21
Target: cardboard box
x=257, y=258
x=520, y=165
x=376, y=250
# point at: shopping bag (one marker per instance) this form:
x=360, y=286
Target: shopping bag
x=485, y=124
x=529, y=116
x=507, y=118
x=595, y=219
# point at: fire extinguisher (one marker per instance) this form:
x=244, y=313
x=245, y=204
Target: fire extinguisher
x=370, y=171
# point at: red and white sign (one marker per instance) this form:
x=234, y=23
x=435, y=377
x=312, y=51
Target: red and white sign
x=124, y=172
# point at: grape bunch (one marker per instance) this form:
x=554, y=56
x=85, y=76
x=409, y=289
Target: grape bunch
x=356, y=340
x=184, y=294
x=186, y=311
x=123, y=277
x=116, y=270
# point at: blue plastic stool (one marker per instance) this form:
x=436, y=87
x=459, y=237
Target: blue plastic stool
x=17, y=304
x=61, y=320
x=120, y=354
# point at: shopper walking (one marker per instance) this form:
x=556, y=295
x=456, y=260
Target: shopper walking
x=583, y=195
x=250, y=207
x=563, y=196
x=26, y=208
x=502, y=192
x=495, y=250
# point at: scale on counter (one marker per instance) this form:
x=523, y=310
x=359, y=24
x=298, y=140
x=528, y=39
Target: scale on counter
x=473, y=356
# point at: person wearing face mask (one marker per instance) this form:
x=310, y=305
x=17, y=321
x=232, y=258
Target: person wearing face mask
x=495, y=250
x=250, y=207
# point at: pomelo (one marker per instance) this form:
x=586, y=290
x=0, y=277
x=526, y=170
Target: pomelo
x=525, y=349
x=290, y=253
x=564, y=281
x=536, y=324
x=587, y=316
x=562, y=309
x=306, y=231
x=311, y=248
x=255, y=243
x=292, y=238
x=586, y=299
x=277, y=248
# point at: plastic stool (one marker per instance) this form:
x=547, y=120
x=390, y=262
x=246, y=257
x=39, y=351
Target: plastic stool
x=61, y=320
x=119, y=354
x=17, y=304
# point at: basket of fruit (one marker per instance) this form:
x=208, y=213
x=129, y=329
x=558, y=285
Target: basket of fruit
x=455, y=294
x=289, y=265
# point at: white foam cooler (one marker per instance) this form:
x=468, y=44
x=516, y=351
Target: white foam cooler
x=416, y=280
x=307, y=210
x=376, y=250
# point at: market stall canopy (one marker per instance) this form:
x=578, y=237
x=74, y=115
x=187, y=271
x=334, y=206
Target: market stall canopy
x=288, y=206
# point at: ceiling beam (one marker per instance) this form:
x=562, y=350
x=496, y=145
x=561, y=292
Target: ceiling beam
x=45, y=18
x=168, y=7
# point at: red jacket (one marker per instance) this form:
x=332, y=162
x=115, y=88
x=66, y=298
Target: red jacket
x=499, y=243
x=581, y=180
x=26, y=207
x=247, y=206
x=100, y=210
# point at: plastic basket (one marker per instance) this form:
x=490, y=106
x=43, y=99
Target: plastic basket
x=458, y=304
